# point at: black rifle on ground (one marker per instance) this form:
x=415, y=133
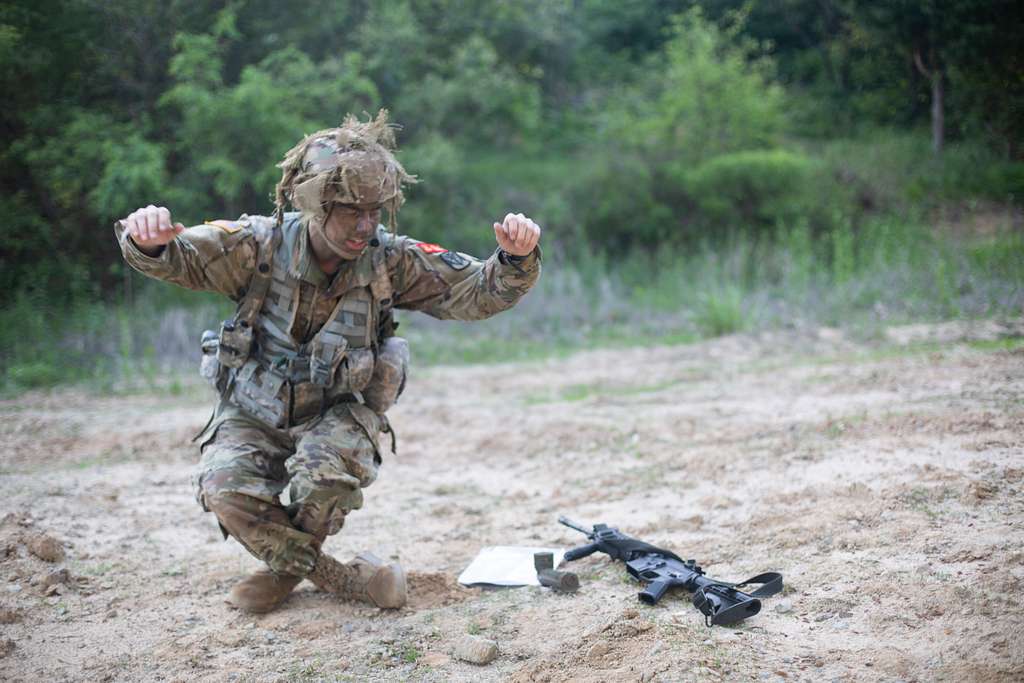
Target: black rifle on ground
x=720, y=602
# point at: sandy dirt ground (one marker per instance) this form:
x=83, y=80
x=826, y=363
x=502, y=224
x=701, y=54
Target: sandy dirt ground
x=885, y=482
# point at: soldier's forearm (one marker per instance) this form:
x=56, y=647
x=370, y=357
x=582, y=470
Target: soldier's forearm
x=496, y=287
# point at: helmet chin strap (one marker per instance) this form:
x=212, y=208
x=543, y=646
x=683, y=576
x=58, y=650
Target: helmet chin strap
x=338, y=248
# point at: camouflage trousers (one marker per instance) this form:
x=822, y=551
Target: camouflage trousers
x=324, y=464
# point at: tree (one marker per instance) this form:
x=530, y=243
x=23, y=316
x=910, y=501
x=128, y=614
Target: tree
x=941, y=38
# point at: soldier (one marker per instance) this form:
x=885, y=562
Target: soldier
x=309, y=364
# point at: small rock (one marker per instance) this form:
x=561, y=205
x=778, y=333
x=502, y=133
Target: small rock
x=476, y=650
x=56, y=577
x=6, y=647
x=978, y=491
x=14, y=588
x=46, y=548
x=111, y=614
x=55, y=589
x=784, y=606
x=597, y=651
x=630, y=614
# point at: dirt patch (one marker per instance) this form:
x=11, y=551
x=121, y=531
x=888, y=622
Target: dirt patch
x=886, y=486
x=436, y=589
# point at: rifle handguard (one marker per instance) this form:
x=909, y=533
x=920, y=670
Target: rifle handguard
x=582, y=551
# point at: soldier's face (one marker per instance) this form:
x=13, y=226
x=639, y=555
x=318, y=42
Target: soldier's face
x=349, y=227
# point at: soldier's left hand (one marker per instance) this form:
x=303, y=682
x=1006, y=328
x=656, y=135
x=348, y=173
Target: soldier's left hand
x=517, y=235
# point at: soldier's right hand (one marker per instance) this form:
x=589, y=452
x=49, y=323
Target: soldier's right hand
x=151, y=228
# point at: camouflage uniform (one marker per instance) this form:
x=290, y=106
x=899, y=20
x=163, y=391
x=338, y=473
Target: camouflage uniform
x=326, y=460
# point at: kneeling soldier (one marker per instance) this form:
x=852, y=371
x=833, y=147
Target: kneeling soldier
x=309, y=364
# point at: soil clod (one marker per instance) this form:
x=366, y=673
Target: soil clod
x=46, y=548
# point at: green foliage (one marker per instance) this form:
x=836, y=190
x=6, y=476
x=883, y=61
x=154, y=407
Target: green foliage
x=715, y=94
x=756, y=189
x=891, y=170
x=708, y=93
x=720, y=311
x=233, y=135
x=34, y=375
x=477, y=98
x=661, y=143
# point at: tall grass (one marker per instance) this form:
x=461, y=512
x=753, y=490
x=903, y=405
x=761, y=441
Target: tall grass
x=888, y=271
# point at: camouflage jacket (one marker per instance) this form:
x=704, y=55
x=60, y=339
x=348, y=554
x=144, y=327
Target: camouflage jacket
x=220, y=256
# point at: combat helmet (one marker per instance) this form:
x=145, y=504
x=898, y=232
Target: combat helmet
x=351, y=164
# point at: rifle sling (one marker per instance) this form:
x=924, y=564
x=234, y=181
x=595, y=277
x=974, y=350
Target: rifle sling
x=771, y=583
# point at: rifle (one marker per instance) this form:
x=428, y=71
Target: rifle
x=720, y=602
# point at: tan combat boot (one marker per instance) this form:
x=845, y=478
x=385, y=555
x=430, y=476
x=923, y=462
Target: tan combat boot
x=262, y=591
x=366, y=579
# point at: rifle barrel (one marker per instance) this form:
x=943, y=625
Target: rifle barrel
x=574, y=525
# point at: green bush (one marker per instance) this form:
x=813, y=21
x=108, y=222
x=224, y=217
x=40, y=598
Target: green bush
x=756, y=189
x=719, y=311
x=617, y=203
x=712, y=93
x=34, y=375
x=1004, y=182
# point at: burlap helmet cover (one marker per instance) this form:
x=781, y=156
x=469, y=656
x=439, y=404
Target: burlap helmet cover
x=351, y=164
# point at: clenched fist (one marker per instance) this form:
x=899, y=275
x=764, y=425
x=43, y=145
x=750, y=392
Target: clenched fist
x=517, y=235
x=151, y=228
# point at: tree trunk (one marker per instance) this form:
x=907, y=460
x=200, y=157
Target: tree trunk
x=938, y=113
x=934, y=75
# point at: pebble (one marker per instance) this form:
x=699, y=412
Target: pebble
x=476, y=650
x=784, y=606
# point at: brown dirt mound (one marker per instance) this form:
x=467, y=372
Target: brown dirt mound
x=436, y=589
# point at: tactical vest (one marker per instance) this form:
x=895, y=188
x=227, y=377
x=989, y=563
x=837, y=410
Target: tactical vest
x=272, y=376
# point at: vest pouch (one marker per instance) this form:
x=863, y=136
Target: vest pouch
x=210, y=368
x=389, y=375
x=258, y=391
x=235, y=342
x=353, y=374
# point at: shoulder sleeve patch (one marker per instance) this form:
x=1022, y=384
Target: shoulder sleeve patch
x=226, y=226
x=428, y=248
x=454, y=259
